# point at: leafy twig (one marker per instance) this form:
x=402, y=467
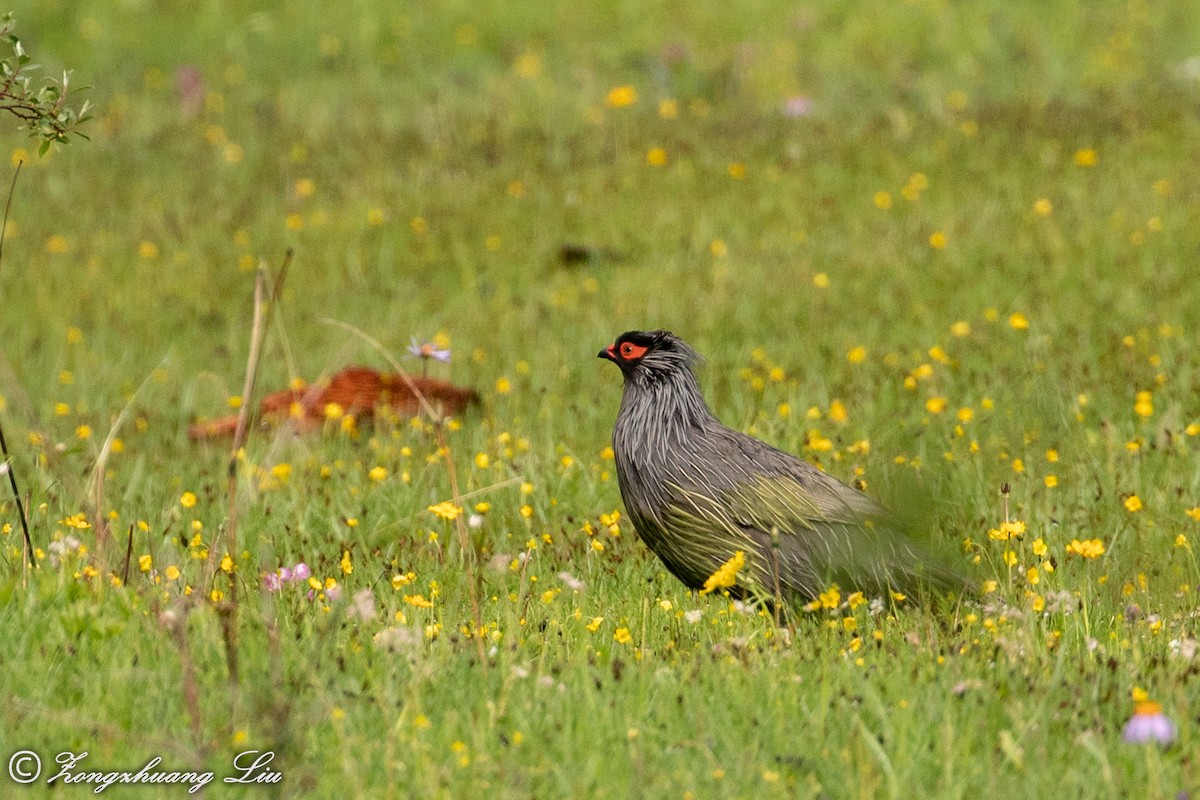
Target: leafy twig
x=43, y=110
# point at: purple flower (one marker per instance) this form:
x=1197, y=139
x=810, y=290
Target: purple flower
x=1149, y=725
x=301, y=572
x=273, y=581
x=428, y=350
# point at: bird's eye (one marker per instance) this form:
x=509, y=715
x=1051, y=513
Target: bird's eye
x=631, y=351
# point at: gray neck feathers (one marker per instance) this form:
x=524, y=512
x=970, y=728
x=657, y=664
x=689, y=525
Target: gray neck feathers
x=660, y=409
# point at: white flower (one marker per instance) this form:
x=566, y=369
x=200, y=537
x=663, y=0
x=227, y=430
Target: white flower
x=362, y=606
x=570, y=581
x=397, y=638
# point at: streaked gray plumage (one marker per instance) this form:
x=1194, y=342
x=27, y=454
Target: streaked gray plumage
x=697, y=492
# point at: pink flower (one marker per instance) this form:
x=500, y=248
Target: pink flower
x=301, y=572
x=273, y=581
x=427, y=350
x=1149, y=725
x=797, y=106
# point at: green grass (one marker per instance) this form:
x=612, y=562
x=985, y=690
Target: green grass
x=452, y=153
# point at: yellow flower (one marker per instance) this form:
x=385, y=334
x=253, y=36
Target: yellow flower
x=965, y=414
x=656, y=157
x=84, y=432
x=961, y=329
x=1039, y=547
x=418, y=601
x=1085, y=157
x=830, y=598
x=378, y=474
x=882, y=200
x=172, y=573
x=857, y=354
x=1043, y=207
x=1194, y=513
x=937, y=240
x=148, y=250
x=1018, y=321
x=837, y=411
x=187, y=500
x=503, y=385
x=1051, y=481
x=622, y=636
x=446, y=510
x=1008, y=530
x=594, y=625
x=1088, y=548
x=528, y=65
x=1143, y=404
x=726, y=574
x=935, y=405
x=145, y=562
x=1133, y=503
x=347, y=565
x=621, y=96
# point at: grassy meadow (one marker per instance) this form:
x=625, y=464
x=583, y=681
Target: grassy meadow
x=938, y=248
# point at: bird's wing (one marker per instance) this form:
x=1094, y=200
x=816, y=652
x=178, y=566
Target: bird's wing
x=816, y=529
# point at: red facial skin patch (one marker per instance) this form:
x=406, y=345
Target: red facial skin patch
x=632, y=352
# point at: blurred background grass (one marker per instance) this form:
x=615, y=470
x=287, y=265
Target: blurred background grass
x=992, y=204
